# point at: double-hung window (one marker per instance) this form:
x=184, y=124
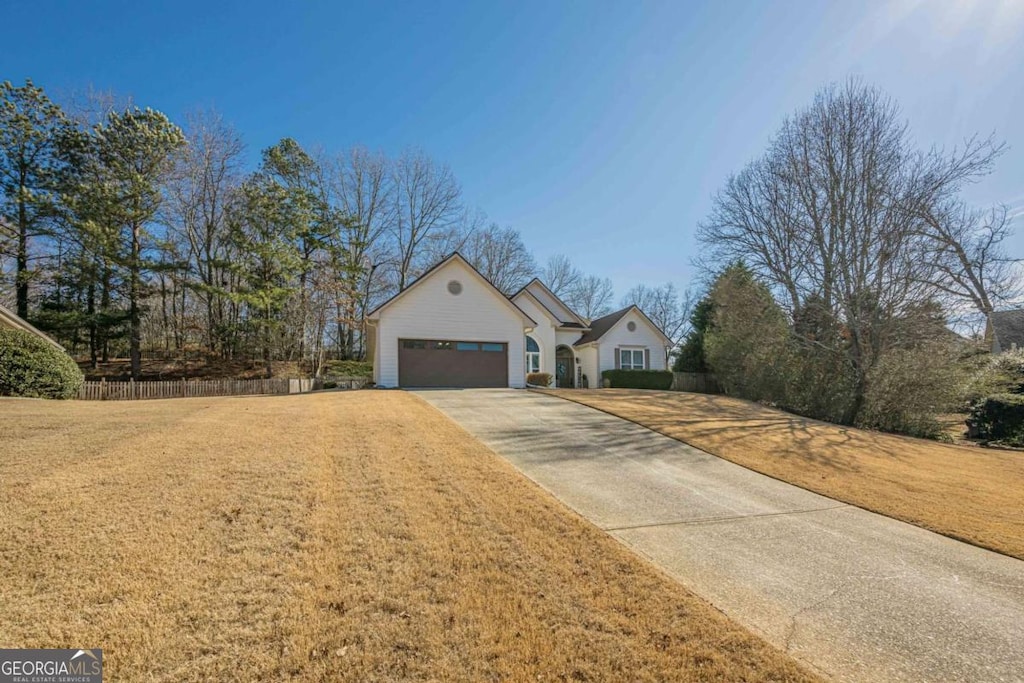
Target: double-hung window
x=631, y=359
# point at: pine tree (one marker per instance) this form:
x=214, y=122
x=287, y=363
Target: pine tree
x=31, y=128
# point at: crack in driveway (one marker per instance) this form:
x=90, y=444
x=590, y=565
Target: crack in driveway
x=728, y=518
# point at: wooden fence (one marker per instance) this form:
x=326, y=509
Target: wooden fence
x=699, y=382
x=131, y=390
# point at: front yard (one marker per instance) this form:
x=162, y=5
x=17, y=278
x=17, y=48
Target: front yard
x=345, y=536
x=972, y=494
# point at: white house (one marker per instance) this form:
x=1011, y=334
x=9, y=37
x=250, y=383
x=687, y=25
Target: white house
x=453, y=328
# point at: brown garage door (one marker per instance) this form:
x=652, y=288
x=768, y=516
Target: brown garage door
x=444, y=363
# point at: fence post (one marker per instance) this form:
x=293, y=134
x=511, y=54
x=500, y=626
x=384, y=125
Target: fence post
x=103, y=388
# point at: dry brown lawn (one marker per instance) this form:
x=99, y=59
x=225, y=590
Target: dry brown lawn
x=343, y=536
x=972, y=494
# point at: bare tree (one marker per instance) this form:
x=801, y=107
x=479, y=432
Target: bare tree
x=665, y=307
x=363, y=186
x=500, y=256
x=560, y=275
x=833, y=214
x=591, y=297
x=204, y=186
x=441, y=243
x=967, y=247
x=428, y=201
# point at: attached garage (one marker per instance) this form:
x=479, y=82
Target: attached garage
x=449, y=363
x=449, y=328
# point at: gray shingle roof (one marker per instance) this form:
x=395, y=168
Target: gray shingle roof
x=601, y=325
x=1007, y=329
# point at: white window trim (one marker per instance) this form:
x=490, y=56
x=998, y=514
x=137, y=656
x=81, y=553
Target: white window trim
x=532, y=356
x=632, y=365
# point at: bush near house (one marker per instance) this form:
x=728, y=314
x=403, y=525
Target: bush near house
x=33, y=368
x=990, y=374
x=539, y=379
x=348, y=368
x=639, y=379
x=999, y=417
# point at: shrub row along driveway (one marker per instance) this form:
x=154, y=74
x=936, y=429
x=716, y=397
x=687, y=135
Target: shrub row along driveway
x=857, y=595
x=358, y=536
x=972, y=494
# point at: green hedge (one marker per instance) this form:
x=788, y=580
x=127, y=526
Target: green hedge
x=638, y=379
x=348, y=368
x=34, y=368
x=999, y=417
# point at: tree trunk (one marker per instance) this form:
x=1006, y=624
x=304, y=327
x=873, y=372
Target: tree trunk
x=21, y=274
x=134, y=312
x=164, y=314
x=93, y=331
x=268, y=366
x=105, y=310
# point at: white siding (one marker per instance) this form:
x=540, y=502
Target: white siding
x=620, y=337
x=429, y=311
x=567, y=337
x=588, y=361
x=556, y=306
x=544, y=333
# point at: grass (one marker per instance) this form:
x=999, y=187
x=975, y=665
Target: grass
x=971, y=494
x=344, y=536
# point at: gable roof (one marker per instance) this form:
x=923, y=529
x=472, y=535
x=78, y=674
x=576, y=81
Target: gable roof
x=578, y=318
x=544, y=307
x=601, y=326
x=454, y=256
x=1008, y=328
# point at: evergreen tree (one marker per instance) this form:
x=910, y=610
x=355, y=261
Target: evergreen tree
x=135, y=149
x=264, y=230
x=31, y=128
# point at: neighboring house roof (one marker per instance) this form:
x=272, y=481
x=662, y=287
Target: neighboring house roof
x=454, y=256
x=9, y=319
x=1007, y=329
x=601, y=326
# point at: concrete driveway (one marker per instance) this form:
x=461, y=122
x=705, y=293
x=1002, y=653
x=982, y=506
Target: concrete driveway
x=858, y=596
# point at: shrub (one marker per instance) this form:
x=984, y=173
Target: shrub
x=34, y=368
x=329, y=384
x=1000, y=418
x=909, y=388
x=746, y=343
x=348, y=368
x=539, y=379
x=638, y=379
x=1001, y=373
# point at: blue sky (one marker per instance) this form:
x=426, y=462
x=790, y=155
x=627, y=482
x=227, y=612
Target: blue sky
x=598, y=129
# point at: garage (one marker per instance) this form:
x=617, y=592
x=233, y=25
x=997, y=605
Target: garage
x=452, y=363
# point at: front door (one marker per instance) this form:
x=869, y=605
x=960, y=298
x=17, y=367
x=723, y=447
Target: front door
x=564, y=367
